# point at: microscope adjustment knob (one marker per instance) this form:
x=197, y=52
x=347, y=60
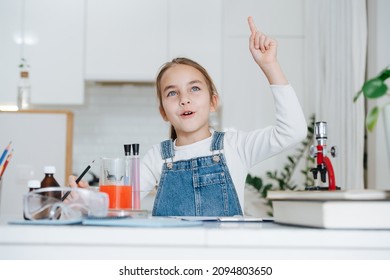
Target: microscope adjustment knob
x=315, y=172
x=313, y=151
x=333, y=151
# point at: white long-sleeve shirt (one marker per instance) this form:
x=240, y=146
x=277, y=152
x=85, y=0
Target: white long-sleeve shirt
x=242, y=150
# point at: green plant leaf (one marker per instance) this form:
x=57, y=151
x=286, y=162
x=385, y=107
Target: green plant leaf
x=374, y=88
x=265, y=190
x=372, y=118
x=282, y=184
x=270, y=174
x=256, y=182
x=384, y=75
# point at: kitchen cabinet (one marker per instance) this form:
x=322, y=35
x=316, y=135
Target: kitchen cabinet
x=56, y=52
x=10, y=32
x=126, y=40
x=195, y=31
x=130, y=40
x=50, y=35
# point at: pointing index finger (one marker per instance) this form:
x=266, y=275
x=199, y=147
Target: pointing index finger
x=252, y=25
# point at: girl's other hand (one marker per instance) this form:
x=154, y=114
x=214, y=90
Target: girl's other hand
x=73, y=196
x=73, y=184
x=262, y=47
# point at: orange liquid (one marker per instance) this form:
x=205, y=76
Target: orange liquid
x=120, y=197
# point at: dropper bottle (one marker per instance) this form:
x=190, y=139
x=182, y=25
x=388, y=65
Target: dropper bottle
x=136, y=177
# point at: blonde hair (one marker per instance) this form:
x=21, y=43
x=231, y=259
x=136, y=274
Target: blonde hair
x=183, y=61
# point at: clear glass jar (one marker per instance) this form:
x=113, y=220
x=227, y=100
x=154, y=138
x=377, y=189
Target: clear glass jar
x=24, y=91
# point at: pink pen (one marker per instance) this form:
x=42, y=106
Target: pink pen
x=136, y=177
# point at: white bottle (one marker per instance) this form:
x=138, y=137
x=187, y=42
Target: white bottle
x=24, y=91
x=33, y=185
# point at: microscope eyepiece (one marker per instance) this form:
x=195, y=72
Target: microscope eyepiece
x=321, y=130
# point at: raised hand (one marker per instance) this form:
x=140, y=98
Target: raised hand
x=263, y=50
x=262, y=47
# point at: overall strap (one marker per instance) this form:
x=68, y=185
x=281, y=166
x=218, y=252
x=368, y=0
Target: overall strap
x=167, y=149
x=217, y=142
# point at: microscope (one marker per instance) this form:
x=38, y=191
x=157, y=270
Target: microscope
x=324, y=165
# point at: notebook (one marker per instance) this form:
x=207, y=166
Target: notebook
x=138, y=222
x=223, y=218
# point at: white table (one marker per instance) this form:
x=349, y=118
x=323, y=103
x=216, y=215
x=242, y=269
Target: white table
x=228, y=240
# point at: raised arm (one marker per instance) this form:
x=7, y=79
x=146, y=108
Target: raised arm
x=263, y=50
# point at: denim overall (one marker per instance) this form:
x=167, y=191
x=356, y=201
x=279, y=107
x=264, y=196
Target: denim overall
x=196, y=187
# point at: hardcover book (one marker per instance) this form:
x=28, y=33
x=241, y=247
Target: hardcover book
x=351, y=209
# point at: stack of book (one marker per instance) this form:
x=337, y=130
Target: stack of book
x=341, y=209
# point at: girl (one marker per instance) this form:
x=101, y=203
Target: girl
x=202, y=172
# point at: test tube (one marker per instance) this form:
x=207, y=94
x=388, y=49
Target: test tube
x=128, y=170
x=136, y=177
